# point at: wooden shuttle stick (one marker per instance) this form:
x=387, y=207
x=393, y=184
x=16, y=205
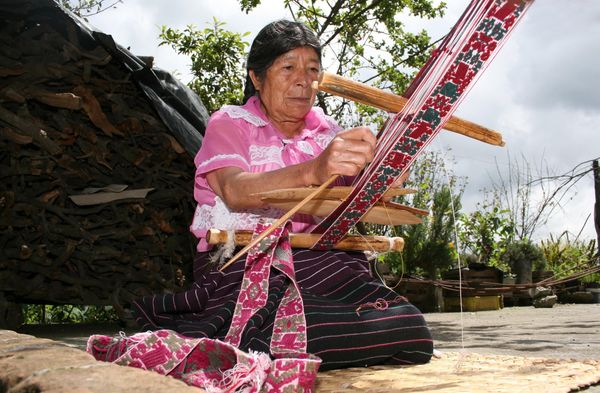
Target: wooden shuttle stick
x=368, y=95
x=306, y=240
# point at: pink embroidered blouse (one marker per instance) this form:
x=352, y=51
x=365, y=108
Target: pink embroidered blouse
x=243, y=137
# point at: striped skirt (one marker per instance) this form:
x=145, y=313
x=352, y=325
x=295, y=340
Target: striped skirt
x=352, y=319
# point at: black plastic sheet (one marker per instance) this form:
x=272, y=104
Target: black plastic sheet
x=180, y=108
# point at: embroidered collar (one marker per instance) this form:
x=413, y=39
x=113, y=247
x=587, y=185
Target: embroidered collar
x=239, y=112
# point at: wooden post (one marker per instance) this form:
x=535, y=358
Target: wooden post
x=597, y=204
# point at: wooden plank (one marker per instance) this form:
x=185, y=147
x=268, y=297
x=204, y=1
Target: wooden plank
x=379, y=214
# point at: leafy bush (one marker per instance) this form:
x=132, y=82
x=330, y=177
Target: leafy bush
x=523, y=253
x=485, y=232
x=67, y=313
x=566, y=257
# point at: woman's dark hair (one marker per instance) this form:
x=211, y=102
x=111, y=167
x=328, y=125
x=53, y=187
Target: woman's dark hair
x=272, y=41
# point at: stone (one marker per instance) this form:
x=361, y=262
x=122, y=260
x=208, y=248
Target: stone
x=540, y=292
x=545, y=302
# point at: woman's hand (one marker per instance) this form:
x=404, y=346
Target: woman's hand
x=346, y=155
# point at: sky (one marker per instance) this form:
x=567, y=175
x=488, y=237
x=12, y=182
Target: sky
x=542, y=91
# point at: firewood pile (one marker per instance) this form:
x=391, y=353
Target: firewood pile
x=95, y=192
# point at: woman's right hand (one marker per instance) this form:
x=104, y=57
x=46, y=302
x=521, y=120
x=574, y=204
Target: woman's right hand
x=346, y=155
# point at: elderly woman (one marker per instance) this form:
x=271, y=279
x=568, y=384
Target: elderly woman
x=275, y=140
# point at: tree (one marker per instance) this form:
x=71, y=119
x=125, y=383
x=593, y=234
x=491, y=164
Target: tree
x=217, y=57
x=366, y=41
x=532, y=198
x=87, y=8
x=486, y=231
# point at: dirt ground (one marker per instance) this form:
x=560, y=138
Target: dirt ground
x=564, y=331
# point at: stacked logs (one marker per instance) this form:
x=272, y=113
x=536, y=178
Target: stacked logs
x=75, y=128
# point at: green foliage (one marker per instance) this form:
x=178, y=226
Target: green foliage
x=87, y=8
x=217, y=61
x=485, y=232
x=566, y=257
x=523, y=252
x=429, y=246
x=67, y=313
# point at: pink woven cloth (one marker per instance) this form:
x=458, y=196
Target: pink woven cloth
x=219, y=366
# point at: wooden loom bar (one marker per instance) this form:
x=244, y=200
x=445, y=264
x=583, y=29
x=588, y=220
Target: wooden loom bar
x=368, y=95
x=306, y=240
x=334, y=193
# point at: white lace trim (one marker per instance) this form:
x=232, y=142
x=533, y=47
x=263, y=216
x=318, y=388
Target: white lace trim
x=305, y=147
x=237, y=112
x=220, y=217
x=260, y=155
x=323, y=139
x=223, y=156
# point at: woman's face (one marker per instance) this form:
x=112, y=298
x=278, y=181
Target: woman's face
x=286, y=92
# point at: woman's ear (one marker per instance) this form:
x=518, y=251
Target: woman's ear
x=255, y=80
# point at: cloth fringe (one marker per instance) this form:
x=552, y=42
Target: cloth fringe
x=225, y=251
x=242, y=377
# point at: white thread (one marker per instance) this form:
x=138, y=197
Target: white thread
x=376, y=259
x=243, y=377
x=457, y=247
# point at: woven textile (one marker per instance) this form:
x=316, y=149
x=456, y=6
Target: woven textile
x=220, y=366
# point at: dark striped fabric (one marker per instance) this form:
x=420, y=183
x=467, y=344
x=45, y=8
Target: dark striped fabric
x=333, y=285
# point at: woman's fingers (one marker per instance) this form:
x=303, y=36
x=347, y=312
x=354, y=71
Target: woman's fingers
x=347, y=154
x=352, y=147
x=359, y=133
x=399, y=182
